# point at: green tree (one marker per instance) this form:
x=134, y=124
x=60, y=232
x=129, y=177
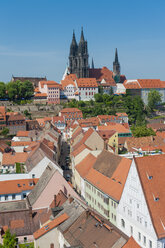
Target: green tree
x=154, y=97
x=9, y=240
x=5, y=131
x=135, y=110
x=29, y=89
x=142, y=131
x=2, y=90
x=12, y=90
x=106, y=98
x=81, y=103
x=98, y=97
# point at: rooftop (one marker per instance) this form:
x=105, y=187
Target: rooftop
x=17, y=186
x=151, y=172
x=85, y=165
x=144, y=83
x=49, y=226
x=11, y=159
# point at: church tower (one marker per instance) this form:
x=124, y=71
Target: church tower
x=78, y=57
x=116, y=68
x=73, y=60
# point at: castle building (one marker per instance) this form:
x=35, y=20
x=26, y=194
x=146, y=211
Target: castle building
x=78, y=57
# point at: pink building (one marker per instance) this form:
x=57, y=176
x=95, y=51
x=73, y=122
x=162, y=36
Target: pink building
x=52, y=89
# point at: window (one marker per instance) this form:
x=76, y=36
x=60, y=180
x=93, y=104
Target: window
x=144, y=240
x=130, y=200
x=122, y=223
x=139, y=236
x=145, y=223
x=114, y=205
x=33, y=175
x=112, y=215
x=24, y=195
x=13, y=197
x=150, y=244
x=131, y=230
x=6, y=197
x=25, y=239
x=137, y=205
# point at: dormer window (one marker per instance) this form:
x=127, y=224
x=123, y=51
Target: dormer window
x=149, y=177
x=156, y=198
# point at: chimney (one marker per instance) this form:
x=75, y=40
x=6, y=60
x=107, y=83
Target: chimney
x=55, y=201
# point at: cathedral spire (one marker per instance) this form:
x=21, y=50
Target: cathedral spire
x=82, y=35
x=116, y=57
x=74, y=39
x=92, y=66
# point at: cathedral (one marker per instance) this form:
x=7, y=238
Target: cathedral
x=78, y=59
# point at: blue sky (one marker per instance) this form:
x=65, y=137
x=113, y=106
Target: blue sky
x=35, y=36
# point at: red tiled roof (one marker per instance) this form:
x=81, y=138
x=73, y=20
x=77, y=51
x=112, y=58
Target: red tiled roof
x=21, y=143
x=106, y=134
x=67, y=82
x=66, y=110
x=144, y=83
x=87, y=82
x=79, y=149
x=101, y=73
x=40, y=94
x=11, y=159
x=22, y=134
x=36, y=90
x=50, y=84
x=114, y=126
x=54, y=223
x=131, y=243
x=57, y=119
x=153, y=188
x=85, y=165
x=17, y=186
x=71, y=77
x=112, y=186
x=89, y=122
x=87, y=134
x=149, y=141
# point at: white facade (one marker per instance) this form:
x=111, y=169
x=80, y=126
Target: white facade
x=36, y=172
x=87, y=93
x=19, y=148
x=69, y=91
x=15, y=196
x=133, y=216
x=106, y=87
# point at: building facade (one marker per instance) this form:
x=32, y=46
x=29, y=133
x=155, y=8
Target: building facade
x=134, y=215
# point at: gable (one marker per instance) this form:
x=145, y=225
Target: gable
x=133, y=201
x=95, y=142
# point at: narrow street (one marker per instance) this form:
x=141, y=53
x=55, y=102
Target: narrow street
x=65, y=160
